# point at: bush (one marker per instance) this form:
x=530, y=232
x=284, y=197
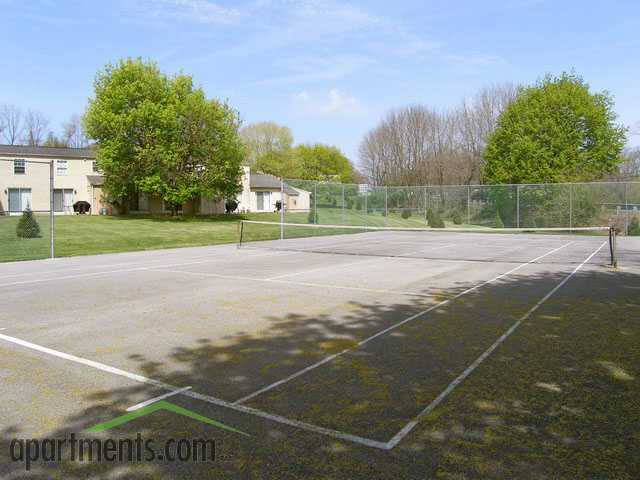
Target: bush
x=28, y=225
x=435, y=220
x=406, y=213
x=349, y=202
x=634, y=227
x=358, y=203
x=497, y=222
x=457, y=218
x=312, y=217
x=278, y=205
x=231, y=206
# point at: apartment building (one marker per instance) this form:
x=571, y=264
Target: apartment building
x=25, y=183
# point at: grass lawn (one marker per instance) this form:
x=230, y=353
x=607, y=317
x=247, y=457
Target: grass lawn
x=89, y=235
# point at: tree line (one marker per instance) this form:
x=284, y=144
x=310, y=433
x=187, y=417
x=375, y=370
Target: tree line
x=269, y=149
x=554, y=130
x=31, y=127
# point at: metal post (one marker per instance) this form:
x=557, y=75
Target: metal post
x=343, y=219
x=426, y=219
x=517, y=206
x=571, y=205
x=468, y=204
x=626, y=208
x=51, y=223
x=386, y=210
x=281, y=209
x=315, y=204
x=366, y=194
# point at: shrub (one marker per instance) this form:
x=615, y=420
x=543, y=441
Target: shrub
x=457, y=218
x=497, y=222
x=406, y=213
x=28, y=225
x=231, y=206
x=435, y=220
x=634, y=227
x=358, y=203
x=312, y=217
x=278, y=205
x=349, y=202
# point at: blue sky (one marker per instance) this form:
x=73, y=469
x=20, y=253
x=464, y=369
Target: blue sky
x=329, y=70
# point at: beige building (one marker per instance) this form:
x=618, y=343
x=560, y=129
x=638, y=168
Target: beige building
x=25, y=177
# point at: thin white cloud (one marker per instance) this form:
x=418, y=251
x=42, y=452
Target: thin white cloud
x=472, y=64
x=319, y=69
x=332, y=103
x=199, y=11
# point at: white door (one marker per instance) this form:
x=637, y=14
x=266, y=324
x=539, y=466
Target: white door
x=67, y=195
x=25, y=194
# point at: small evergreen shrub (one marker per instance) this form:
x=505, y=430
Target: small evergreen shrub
x=406, y=213
x=634, y=227
x=497, y=222
x=28, y=225
x=457, y=218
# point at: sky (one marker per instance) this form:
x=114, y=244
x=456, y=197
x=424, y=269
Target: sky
x=328, y=69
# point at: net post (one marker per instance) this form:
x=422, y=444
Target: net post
x=51, y=221
x=626, y=208
x=240, y=229
x=425, y=206
x=386, y=212
x=281, y=209
x=612, y=246
x=315, y=203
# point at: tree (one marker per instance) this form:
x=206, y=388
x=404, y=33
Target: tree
x=555, y=131
x=28, y=225
x=11, y=119
x=268, y=147
x=35, y=126
x=322, y=162
x=73, y=133
x=53, y=141
x=160, y=135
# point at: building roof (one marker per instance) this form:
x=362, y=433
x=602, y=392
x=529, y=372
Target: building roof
x=95, y=179
x=50, y=152
x=264, y=180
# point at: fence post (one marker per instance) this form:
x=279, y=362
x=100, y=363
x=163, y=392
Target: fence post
x=315, y=204
x=426, y=220
x=51, y=223
x=343, y=219
x=468, y=204
x=517, y=206
x=281, y=209
x=386, y=210
x=366, y=194
x=626, y=208
x=571, y=205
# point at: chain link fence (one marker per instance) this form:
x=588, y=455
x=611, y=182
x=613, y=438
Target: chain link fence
x=26, y=229
x=565, y=205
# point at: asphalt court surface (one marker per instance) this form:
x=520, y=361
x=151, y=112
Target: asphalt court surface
x=341, y=344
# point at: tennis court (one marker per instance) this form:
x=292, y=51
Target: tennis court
x=343, y=354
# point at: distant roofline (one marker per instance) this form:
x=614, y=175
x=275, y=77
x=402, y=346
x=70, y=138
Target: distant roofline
x=55, y=152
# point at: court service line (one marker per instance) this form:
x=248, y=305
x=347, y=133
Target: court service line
x=206, y=398
x=409, y=426
x=388, y=329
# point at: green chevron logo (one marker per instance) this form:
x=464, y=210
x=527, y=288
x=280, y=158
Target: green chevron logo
x=161, y=405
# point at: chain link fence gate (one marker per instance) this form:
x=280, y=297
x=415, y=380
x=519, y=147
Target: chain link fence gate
x=26, y=209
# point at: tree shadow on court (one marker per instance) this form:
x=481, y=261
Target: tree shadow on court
x=557, y=399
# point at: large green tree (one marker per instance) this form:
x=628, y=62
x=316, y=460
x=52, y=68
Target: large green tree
x=268, y=146
x=322, y=162
x=160, y=135
x=555, y=131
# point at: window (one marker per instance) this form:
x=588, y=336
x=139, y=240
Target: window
x=263, y=200
x=63, y=200
x=61, y=167
x=19, y=167
x=94, y=167
x=19, y=199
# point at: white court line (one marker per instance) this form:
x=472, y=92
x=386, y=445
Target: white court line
x=409, y=426
x=392, y=327
x=206, y=398
x=140, y=405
